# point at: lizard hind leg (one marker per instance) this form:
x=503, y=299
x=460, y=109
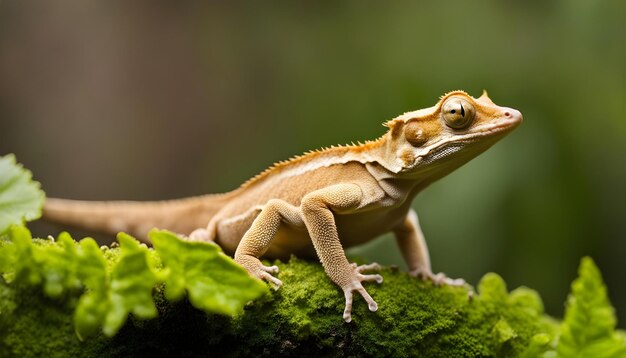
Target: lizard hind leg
x=257, y=239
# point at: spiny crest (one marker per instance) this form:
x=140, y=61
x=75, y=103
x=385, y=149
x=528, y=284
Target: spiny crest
x=484, y=96
x=310, y=155
x=395, y=126
x=451, y=93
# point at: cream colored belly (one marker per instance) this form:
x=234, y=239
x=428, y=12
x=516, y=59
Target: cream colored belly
x=353, y=229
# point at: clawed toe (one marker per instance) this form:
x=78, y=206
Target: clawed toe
x=270, y=269
x=256, y=269
x=439, y=279
x=356, y=285
x=371, y=304
x=443, y=280
x=370, y=278
x=266, y=274
x=276, y=283
x=455, y=282
x=202, y=235
x=369, y=267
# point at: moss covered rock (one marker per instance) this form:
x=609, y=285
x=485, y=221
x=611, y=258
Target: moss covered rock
x=301, y=318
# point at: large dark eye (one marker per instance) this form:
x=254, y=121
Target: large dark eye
x=458, y=113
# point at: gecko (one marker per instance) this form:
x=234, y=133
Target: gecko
x=318, y=203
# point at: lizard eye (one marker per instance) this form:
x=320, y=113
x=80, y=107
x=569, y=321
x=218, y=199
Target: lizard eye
x=458, y=113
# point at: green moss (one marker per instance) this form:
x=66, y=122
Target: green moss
x=34, y=326
x=302, y=317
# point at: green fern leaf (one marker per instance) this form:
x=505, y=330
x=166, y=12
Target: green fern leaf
x=94, y=304
x=588, y=329
x=111, y=297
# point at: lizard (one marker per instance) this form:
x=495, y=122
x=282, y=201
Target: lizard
x=315, y=204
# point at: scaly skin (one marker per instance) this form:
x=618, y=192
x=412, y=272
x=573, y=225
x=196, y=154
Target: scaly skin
x=318, y=203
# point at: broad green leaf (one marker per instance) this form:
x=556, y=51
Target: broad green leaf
x=214, y=282
x=588, y=329
x=21, y=198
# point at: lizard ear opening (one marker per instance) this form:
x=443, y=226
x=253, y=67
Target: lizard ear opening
x=415, y=134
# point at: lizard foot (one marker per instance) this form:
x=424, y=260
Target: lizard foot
x=266, y=275
x=256, y=269
x=439, y=279
x=200, y=235
x=355, y=285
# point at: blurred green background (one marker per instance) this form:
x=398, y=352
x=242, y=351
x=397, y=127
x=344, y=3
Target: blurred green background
x=162, y=99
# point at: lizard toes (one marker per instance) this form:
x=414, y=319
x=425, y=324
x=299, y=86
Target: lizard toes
x=454, y=282
x=439, y=279
x=370, y=278
x=371, y=304
x=200, y=235
x=356, y=285
x=369, y=267
x=270, y=269
x=276, y=283
x=347, y=312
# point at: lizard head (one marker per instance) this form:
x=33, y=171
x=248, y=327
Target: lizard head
x=441, y=138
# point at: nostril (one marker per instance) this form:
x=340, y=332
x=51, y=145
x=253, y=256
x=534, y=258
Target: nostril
x=507, y=114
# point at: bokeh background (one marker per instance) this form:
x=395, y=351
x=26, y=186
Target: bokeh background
x=164, y=99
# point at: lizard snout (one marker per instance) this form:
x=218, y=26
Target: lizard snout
x=513, y=114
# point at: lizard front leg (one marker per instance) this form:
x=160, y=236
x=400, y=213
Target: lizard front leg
x=258, y=237
x=413, y=247
x=317, y=211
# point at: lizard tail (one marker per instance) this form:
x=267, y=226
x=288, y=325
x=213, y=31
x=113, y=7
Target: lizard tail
x=136, y=218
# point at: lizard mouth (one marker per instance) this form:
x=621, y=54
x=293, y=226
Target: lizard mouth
x=491, y=130
x=487, y=134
